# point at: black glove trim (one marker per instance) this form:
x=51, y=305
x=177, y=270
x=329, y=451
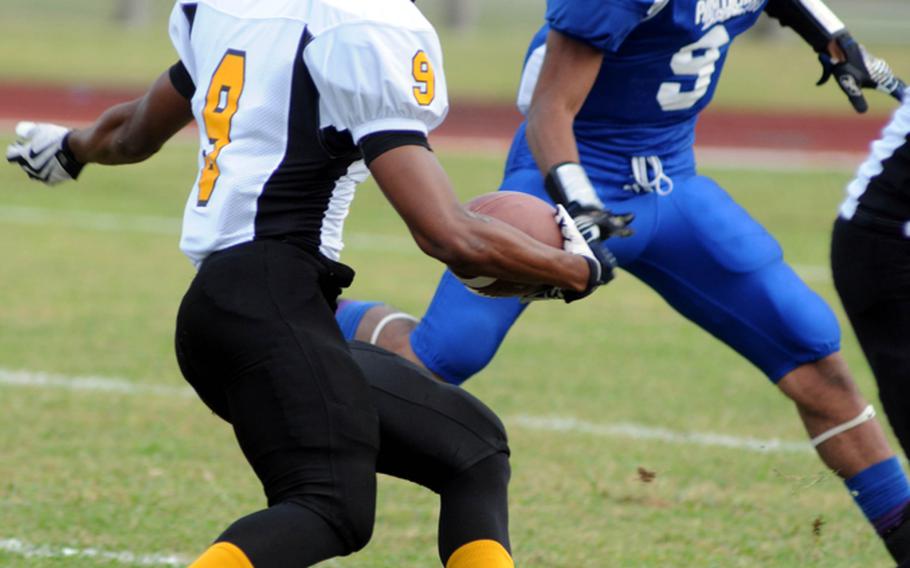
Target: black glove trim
x=803, y=19
x=567, y=184
x=67, y=160
x=600, y=273
x=553, y=186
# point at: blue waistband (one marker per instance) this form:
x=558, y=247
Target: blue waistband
x=612, y=170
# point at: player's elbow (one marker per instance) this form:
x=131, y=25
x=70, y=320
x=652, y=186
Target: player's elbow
x=456, y=246
x=130, y=150
x=549, y=114
x=453, y=250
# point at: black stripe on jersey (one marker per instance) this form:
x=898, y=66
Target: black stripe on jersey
x=889, y=192
x=189, y=10
x=294, y=200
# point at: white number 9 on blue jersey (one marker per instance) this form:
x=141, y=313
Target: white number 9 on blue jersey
x=686, y=62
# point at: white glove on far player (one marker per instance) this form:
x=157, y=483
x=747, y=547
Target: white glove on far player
x=41, y=150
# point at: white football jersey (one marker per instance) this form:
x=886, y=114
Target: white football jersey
x=284, y=91
x=893, y=146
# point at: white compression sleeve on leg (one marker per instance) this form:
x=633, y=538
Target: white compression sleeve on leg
x=866, y=415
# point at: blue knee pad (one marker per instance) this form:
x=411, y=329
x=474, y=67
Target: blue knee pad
x=461, y=331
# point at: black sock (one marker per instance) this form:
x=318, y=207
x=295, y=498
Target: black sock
x=475, y=506
x=285, y=535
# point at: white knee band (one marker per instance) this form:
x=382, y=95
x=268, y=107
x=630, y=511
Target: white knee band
x=866, y=415
x=386, y=321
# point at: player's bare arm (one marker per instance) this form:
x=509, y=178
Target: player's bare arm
x=842, y=57
x=569, y=71
x=420, y=191
x=132, y=132
x=566, y=78
x=125, y=133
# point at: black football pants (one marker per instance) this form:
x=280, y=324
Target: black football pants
x=872, y=274
x=257, y=339
x=252, y=363
x=439, y=436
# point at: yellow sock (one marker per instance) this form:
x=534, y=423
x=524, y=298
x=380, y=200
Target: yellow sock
x=222, y=555
x=480, y=554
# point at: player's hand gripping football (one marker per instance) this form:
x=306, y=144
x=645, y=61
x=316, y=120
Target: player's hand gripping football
x=600, y=262
x=41, y=150
x=857, y=70
x=585, y=224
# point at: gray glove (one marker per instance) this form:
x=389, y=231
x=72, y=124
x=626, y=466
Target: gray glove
x=42, y=152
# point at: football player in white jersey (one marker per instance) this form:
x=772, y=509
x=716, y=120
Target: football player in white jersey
x=294, y=102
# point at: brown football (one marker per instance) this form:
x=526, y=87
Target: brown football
x=525, y=212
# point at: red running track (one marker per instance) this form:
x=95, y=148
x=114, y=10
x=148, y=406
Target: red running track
x=718, y=128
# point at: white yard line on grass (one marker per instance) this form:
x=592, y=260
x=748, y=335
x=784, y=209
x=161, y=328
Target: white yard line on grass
x=34, y=379
x=91, y=220
x=26, y=550
x=568, y=425
x=160, y=225
x=564, y=425
x=641, y=432
x=23, y=549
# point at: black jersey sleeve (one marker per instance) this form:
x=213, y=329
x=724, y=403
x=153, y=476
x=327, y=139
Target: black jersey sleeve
x=374, y=145
x=811, y=19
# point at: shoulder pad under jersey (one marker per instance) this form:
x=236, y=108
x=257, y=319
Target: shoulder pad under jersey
x=601, y=23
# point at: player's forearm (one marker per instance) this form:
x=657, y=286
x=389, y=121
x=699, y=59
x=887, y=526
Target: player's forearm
x=109, y=140
x=487, y=247
x=133, y=131
x=420, y=191
x=567, y=76
x=551, y=136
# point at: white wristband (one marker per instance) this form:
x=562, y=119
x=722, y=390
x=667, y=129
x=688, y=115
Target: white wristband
x=576, y=185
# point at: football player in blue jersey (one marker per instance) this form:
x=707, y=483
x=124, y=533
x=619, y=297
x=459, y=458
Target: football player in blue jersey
x=611, y=91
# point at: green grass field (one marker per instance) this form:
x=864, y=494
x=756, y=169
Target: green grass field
x=91, y=281
x=92, y=277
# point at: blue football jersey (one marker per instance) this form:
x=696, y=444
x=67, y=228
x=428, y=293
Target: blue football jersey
x=662, y=61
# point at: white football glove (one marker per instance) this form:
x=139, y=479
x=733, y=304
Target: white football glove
x=41, y=150
x=600, y=261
